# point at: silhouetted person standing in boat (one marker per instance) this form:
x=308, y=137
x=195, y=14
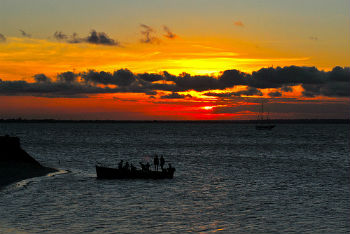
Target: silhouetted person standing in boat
x=162, y=162
x=156, y=162
x=120, y=165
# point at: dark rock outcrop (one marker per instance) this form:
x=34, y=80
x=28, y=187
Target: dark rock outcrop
x=16, y=164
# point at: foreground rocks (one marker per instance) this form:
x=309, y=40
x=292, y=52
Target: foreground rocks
x=16, y=164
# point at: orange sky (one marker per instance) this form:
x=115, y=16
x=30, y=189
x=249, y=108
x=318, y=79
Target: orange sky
x=200, y=45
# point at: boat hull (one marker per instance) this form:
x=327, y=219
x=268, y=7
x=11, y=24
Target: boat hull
x=114, y=173
x=264, y=127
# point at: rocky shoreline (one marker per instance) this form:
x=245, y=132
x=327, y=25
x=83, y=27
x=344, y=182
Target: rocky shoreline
x=16, y=164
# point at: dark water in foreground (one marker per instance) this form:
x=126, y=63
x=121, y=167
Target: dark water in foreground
x=230, y=178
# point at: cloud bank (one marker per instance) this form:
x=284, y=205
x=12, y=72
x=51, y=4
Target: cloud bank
x=334, y=83
x=98, y=38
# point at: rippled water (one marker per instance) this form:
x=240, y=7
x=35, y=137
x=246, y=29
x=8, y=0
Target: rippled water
x=229, y=178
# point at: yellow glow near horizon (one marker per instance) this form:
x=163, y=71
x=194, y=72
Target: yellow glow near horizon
x=21, y=58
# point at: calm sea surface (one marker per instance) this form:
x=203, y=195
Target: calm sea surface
x=229, y=178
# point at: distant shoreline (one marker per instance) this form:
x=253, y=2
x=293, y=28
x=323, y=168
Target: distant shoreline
x=275, y=121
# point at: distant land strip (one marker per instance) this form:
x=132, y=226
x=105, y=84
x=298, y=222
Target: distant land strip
x=275, y=121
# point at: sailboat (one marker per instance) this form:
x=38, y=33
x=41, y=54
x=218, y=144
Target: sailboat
x=263, y=123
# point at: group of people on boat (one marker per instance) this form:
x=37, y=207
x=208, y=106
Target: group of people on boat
x=126, y=166
x=157, y=162
x=146, y=167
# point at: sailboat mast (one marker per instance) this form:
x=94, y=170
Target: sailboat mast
x=264, y=120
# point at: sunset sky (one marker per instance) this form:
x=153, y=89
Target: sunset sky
x=174, y=60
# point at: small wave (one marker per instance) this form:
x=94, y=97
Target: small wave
x=59, y=172
x=23, y=183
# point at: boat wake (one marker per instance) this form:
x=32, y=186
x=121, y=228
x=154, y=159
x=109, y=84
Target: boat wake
x=23, y=184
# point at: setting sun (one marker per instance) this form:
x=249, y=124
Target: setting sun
x=208, y=107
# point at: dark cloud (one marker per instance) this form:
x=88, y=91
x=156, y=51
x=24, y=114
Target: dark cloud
x=124, y=77
x=238, y=23
x=313, y=38
x=339, y=74
x=99, y=38
x=175, y=96
x=150, y=77
x=185, y=81
x=230, y=78
x=148, y=32
x=46, y=89
x=67, y=77
x=41, y=78
x=315, y=82
x=311, y=90
x=286, y=76
x=60, y=36
x=98, y=77
x=169, y=34
x=74, y=38
x=334, y=83
x=275, y=94
x=2, y=38
x=151, y=92
x=24, y=34
x=249, y=92
x=329, y=89
x=198, y=83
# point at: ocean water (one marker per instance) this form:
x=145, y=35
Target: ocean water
x=229, y=178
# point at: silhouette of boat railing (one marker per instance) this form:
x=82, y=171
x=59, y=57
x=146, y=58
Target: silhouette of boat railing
x=115, y=173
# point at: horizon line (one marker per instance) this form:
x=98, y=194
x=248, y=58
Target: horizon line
x=44, y=120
